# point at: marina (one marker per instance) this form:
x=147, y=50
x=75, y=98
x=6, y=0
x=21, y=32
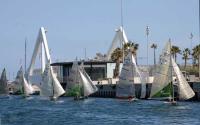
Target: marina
x=66, y=71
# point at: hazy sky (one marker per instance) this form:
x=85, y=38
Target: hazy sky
x=77, y=24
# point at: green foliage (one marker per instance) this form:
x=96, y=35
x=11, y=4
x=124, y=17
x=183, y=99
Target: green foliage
x=186, y=54
x=154, y=46
x=165, y=92
x=117, y=55
x=196, y=53
x=74, y=91
x=192, y=70
x=132, y=46
x=174, y=51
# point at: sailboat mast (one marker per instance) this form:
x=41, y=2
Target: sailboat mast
x=147, y=38
x=122, y=28
x=25, y=56
x=77, y=79
x=132, y=74
x=53, y=89
x=171, y=73
x=199, y=37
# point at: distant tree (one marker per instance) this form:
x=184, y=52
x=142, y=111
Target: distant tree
x=174, y=51
x=195, y=54
x=186, y=54
x=117, y=56
x=133, y=47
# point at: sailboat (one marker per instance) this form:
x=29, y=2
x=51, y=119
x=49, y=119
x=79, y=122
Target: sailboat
x=79, y=83
x=3, y=84
x=163, y=86
x=184, y=89
x=23, y=86
x=50, y=86
x=125, y=88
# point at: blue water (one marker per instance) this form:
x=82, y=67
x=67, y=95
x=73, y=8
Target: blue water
x=96, y=111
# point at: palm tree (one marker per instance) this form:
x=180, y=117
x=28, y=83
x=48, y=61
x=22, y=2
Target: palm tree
x=174, y=51
x=154, y=46
x=186, y=54
x=195, y=54
x=133, y=47
x=117, y=55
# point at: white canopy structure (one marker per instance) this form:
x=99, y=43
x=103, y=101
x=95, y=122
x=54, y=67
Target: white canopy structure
x=48, y=78
x=40, y=43
x=119, y=39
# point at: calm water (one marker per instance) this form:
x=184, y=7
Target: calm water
x=96, y=111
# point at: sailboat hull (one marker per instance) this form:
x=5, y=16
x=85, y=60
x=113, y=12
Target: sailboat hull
x=161, y=98
x=53, y=98
x=173, y=103
x=130, y=98
x=124, y=97
x=79, y=98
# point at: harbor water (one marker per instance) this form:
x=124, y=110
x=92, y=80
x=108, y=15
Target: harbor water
x=96, y=111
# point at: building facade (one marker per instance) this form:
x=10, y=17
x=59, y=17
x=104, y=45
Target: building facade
x=97, y=70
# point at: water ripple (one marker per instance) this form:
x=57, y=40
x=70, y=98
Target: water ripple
x=96, y=111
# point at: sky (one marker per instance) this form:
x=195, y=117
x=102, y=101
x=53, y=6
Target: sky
x=74, y=25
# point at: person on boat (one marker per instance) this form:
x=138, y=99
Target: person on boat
x=130, y=98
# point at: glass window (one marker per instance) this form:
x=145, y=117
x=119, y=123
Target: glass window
x=96, y=73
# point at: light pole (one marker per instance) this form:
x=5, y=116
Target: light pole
x=154, y=46
x=147, y=35
x=199, y=37
x=25, y=47
x=191, y=37
x=122, y=28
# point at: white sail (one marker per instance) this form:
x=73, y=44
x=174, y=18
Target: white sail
x=27, y=87
x=161, y=78
x=23, y=84
x=125, y=87
x=94, y=88
x=46, y=85
x=58, y=90
x=3, y=83
x=74, y=77
x=185, y=91
x=50, y=85
x=141, y=79
x=88, y=86
x=120, y=38
x=79, y=78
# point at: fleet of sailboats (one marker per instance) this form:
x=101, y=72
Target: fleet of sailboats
x=163, y=84
x=79, y=83
x=80, y=86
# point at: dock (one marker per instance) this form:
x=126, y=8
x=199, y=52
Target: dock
x=109, y=91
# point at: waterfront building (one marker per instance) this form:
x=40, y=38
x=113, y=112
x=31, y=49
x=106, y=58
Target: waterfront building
x=100, y=72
